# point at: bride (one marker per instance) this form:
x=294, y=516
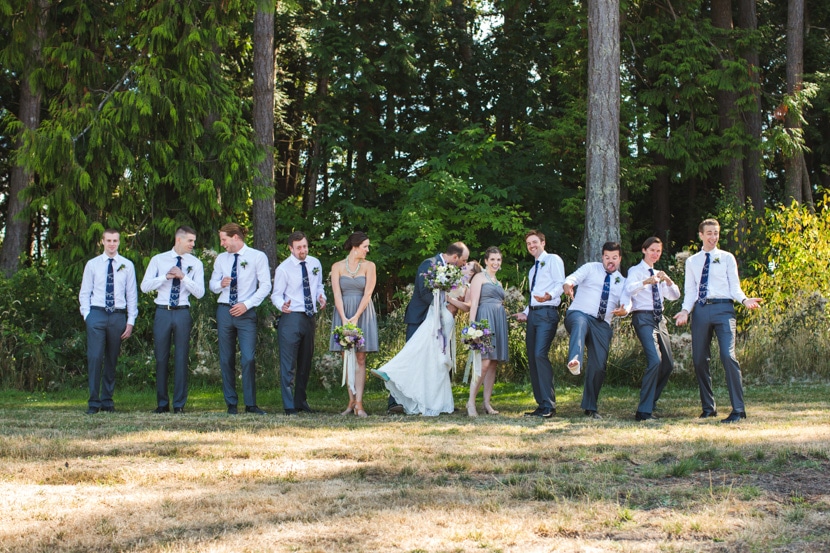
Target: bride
x=419, y=375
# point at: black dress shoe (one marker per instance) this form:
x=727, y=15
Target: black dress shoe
x=108, y=409
x=543, y=412
x=734, y=416
x=92, y=411
x=232, y=410
x=289, y=412
x=644, y=416
x=534, y=413
x=592, y=414
x=305, y=408
x=396, y=409
x=255, y=410
x=178, y=410
x=161, y=410
x=706, y=415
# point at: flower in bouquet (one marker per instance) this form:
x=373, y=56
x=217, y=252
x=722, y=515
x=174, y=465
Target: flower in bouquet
x=443, y=277
x=478, y=336
x=349, y=336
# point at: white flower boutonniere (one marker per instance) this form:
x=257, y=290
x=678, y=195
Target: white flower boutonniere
x=121, y=266
x=243, y=264
x=315, y=271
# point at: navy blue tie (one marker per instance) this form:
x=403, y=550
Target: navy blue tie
x=533, y=281
x=704, y=283
x=110, y=299
x=603, y=300
x=174, y=290
x=309, y=305
x=655, y=299
x=232, y=298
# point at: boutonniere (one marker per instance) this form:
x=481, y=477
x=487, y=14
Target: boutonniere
x=189, y=268
x=243, y=264
x=716, y=260
x=315, y=271
x=617, y=280
x=121, y=266
x=541, y=263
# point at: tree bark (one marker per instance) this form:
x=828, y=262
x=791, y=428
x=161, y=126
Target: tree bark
x=264, y=214
x=794, y=165
x=731, y=173
x=752, y=168
x=17, y=223
x=602, y=189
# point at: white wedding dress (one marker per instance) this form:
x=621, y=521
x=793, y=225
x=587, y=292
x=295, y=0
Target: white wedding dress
x=419, y=375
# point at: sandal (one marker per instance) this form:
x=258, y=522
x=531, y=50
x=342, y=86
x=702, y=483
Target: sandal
x=358, y=409
x=350, y=409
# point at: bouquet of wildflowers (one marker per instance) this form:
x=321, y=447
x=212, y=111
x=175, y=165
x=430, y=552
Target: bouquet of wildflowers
x=477, y=336
x=479, y=340
x=349, y=336
x=443, y=277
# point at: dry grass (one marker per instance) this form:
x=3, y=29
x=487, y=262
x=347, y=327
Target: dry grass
x=135, y=481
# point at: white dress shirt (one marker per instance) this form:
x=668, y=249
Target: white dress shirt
x=156, y=277
x=550, y=276
x=591, y=278
x=723, y=278
x=253, y=277
x=288, y=283
x=641, y=295
x=94, y=286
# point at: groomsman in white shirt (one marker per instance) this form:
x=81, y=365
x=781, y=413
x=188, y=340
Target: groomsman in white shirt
x=109, y=306
x=175, y=275
x=588, y=320
x=542, y=315
x=298, y=293
x=712, y=286
x=242, y=279
x=647, y=288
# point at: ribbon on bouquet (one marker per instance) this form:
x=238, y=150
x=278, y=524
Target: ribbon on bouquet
x=474, y=363
x=438, y=305
x=349, y=368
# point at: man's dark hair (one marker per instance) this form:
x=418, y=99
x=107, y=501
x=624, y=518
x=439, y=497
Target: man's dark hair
x=296, y=236
x=612, y=247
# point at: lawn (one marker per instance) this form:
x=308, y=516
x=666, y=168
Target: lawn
x=207, y=481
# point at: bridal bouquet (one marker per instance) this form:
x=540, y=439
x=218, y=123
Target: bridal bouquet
x=350, y=337
x=477, y=336
x=478, y=339
x=443, y=277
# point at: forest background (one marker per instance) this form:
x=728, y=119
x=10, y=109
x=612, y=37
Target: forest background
x=420, y=122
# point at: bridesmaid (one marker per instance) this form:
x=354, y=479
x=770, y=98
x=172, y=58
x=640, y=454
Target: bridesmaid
x=487, y=302
x=353, y=282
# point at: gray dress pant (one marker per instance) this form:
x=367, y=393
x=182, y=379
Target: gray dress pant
x=171, y=326
x=654, y=337
x=296, y=339
x=541, y=330
x=588, y=332
x=103, y=344
x=716, y=319
x=232, y=329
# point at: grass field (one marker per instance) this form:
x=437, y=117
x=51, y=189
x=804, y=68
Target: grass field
x=207, y=481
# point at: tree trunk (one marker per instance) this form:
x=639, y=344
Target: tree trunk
x=17, y=223
x=753, y=175
x=731, y=173
x=264, y=217
x=794, y=165
x=602, y=189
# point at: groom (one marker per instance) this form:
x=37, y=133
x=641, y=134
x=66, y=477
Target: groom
x=416, y=311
